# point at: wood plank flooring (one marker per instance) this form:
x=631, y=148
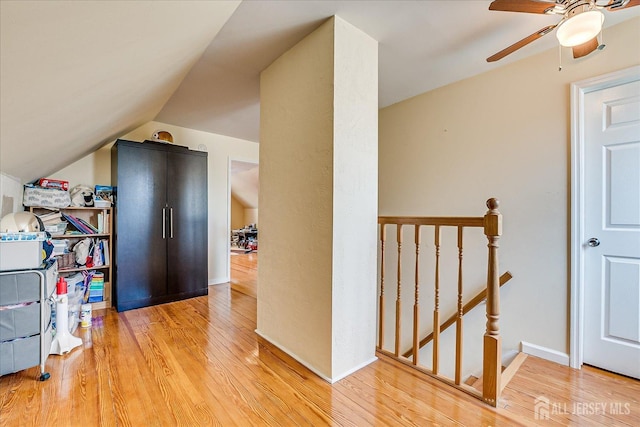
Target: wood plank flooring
x=198, y=363
x=244, y=273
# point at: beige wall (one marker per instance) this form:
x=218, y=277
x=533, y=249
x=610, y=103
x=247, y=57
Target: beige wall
x=93, y=169
x=96, y=169
x=355, y=198
x=237, y=214
x=251, y=216
x=318, y=132
x=505, y=133
x=294, y=301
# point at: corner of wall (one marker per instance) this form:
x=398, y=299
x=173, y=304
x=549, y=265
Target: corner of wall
x=545, y=353
x=10, y=194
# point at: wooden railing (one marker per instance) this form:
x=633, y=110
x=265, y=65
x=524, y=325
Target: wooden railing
x=491, y=222
x=473, y=303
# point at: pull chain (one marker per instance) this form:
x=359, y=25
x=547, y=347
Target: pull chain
x=559, y=57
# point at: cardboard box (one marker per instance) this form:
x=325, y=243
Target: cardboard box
x=54, y=183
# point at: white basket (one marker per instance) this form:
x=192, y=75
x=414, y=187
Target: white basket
x=99, y=203
x=56, y=229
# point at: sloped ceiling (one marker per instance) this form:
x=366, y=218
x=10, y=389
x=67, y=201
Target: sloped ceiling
x=77, y=74
x=245, y=182
x=422, y=45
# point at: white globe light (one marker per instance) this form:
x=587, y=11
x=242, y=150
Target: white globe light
x=580, y=28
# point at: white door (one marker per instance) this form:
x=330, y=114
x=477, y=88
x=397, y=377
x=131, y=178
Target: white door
x=611, y=334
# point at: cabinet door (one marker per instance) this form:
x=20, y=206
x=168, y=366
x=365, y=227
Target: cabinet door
x=187, y=242
x=141, y=247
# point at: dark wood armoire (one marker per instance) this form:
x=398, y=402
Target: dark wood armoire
x=160, y=244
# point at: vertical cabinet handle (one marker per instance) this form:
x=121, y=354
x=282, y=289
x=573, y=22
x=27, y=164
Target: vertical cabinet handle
x=164, y=223
x=171, y=223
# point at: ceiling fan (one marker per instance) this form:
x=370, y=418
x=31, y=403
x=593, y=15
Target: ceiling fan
x=578, y=29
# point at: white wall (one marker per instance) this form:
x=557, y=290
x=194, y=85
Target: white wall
x=96, y=169
x=505, y=133
x=10, y=194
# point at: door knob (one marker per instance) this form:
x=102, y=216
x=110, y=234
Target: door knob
x=593, y=242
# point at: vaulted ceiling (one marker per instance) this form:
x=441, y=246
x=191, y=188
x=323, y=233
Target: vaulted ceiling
x=245, y=182
x=76, y=75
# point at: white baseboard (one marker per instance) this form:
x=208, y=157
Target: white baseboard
x=351, y=371
x=218, y=281
x=311, y=368
x=545, y=353
x=295, y=356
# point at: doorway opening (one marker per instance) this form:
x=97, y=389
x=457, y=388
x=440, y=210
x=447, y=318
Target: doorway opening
x=243, y=226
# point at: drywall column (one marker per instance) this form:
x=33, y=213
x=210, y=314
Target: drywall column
x=318, y=200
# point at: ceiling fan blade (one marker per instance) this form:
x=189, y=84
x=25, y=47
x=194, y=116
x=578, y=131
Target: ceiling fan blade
x=618, y=5
x=525, y=41
x=585, y=48
x=529, y=6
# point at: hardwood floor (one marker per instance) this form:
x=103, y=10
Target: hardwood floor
x=244, y=273
x=199, y=362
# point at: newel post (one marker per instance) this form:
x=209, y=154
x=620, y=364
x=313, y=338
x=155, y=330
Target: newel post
x=492, y=359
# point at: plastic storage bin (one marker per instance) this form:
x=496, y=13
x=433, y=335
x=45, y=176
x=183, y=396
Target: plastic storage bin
x=20, y=251
x=56, y=229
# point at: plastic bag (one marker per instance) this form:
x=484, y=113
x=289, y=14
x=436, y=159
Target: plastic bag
x=81, y=251
x=97, y=254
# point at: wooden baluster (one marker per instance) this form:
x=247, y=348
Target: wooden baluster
x=383, y=238
x=398, y=292
x=436, y=307
x=460, y=312
x=492, y=342
x=416, y=304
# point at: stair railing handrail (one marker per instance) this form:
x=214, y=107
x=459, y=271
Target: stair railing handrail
x=473, y=303
x=491, y=223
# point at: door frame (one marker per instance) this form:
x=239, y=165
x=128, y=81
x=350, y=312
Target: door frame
x=578, y=92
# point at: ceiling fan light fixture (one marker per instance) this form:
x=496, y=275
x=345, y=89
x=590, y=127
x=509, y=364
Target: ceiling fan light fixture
x=580, y=28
